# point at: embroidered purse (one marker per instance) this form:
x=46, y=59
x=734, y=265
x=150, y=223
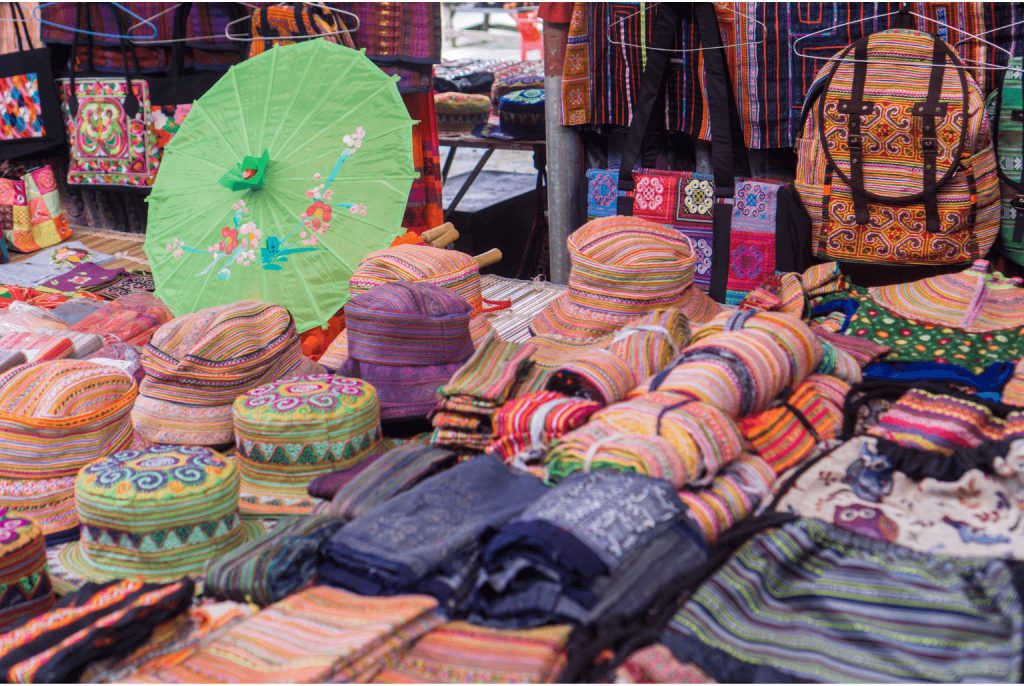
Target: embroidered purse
x=31, y=215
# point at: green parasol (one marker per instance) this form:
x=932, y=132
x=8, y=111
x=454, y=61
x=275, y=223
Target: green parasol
x=284, y=175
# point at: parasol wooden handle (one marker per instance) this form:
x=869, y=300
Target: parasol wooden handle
x=429, y=235
x=445, y=239
x=492, y=256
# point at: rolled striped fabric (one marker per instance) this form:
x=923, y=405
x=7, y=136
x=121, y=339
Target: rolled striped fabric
x=460, y=653
x=731, y=497
x=810, y=602
x=621, y=267
x=56, y=417
x=273, y=566
x=158, y=514
x=24, y=580
x=786, y=435
x=649, y=343
x=597, y=375
x=407, y=339
x=524, y=427
x=332, y=636
x=289, y=432
x=197, y=364
x=779, y=293
x=37, y=347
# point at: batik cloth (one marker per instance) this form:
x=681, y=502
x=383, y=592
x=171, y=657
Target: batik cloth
x=460, y=652
x=393, y=473
x=870, y=489
x=424, y=539
x=272, y=566
x=810, y=602
x=318, y=635
x=551, y=563
x=95, y=622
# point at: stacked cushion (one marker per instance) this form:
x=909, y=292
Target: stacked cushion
x=461, y=112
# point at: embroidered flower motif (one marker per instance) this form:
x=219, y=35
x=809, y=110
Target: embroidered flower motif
x=698, y=196
x=650, y=194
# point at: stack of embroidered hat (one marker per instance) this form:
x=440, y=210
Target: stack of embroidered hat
x=450, y=269
x=407, y=339
x=291, y=431
x=25, y=589
x=56, y=417
x=158, y=513
x=197, y=364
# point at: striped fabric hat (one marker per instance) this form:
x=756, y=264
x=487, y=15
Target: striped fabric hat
x=407, y=339
x=450, y=269
x=291, y=431
x=25, y=583
x=972, y=300
x=56, y=417
x=197, y=364
x=158, y=513
x=621, y=267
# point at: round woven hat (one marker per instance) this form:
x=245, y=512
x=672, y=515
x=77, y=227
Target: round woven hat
x=973, y=300
x=621, y=267
x=292, y=431
x=158, y=514
x=407, y=339
x=56, y=417
x=197, y=364
x=461, y=112
x=23, y=577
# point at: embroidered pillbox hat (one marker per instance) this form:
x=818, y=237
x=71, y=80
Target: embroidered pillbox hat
x=197, y=364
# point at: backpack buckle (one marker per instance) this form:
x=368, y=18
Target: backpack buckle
x=855, y=141
x=929, y=143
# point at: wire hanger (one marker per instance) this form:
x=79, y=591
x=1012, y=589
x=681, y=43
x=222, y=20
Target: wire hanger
x=906, y=11
x=990, y=31
x=679, y=51
x=333, y=10
x=169, y=41
x=37, y=15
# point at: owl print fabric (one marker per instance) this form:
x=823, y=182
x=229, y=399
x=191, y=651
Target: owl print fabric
x=856, y=487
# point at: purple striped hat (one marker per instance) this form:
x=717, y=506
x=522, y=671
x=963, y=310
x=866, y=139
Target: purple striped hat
x=406, y=339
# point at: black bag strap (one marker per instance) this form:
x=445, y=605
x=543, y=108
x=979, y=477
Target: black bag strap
x=728, y=154
x=21, y=33
x=84, y=21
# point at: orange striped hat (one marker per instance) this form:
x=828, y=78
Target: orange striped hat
x=197, y=364
x=56, y=417
x=621, y=267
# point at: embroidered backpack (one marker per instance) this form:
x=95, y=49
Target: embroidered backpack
x=1006, y=114
x=895, y=158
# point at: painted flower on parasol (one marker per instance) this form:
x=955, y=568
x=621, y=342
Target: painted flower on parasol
x=275, y=189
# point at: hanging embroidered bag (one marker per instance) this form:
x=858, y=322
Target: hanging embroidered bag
x=30, y=122
x=895, y=159
x=743, y=229
x=1006, y=114
x=31, y=215
x=109, y=125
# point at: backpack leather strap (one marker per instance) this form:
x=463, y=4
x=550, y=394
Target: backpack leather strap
x=854, y=108
x=928, y=111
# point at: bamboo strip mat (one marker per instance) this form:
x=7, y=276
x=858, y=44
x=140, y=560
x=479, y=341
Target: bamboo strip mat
x=528, y=299
x=109, y=242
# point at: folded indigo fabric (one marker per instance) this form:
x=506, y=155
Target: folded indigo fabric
x=425, y=539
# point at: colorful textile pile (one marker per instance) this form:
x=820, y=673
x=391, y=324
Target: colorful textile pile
x=621, y=267
x=131, y=319
x=938, y=423
x=460, y=652
x=549, y=564
x=425, y=540
x=810, y=602
x=731, y=497
x=786, y=435
x=197, y=364
x=273, y=566
x=289, y=432
x=97, y=621
x=524, y=427
x=319, y=635
x=23, y=572
x=407, y=339
x=462, y=418
x=156, y=514
x=55, y=418
x=394, y=472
